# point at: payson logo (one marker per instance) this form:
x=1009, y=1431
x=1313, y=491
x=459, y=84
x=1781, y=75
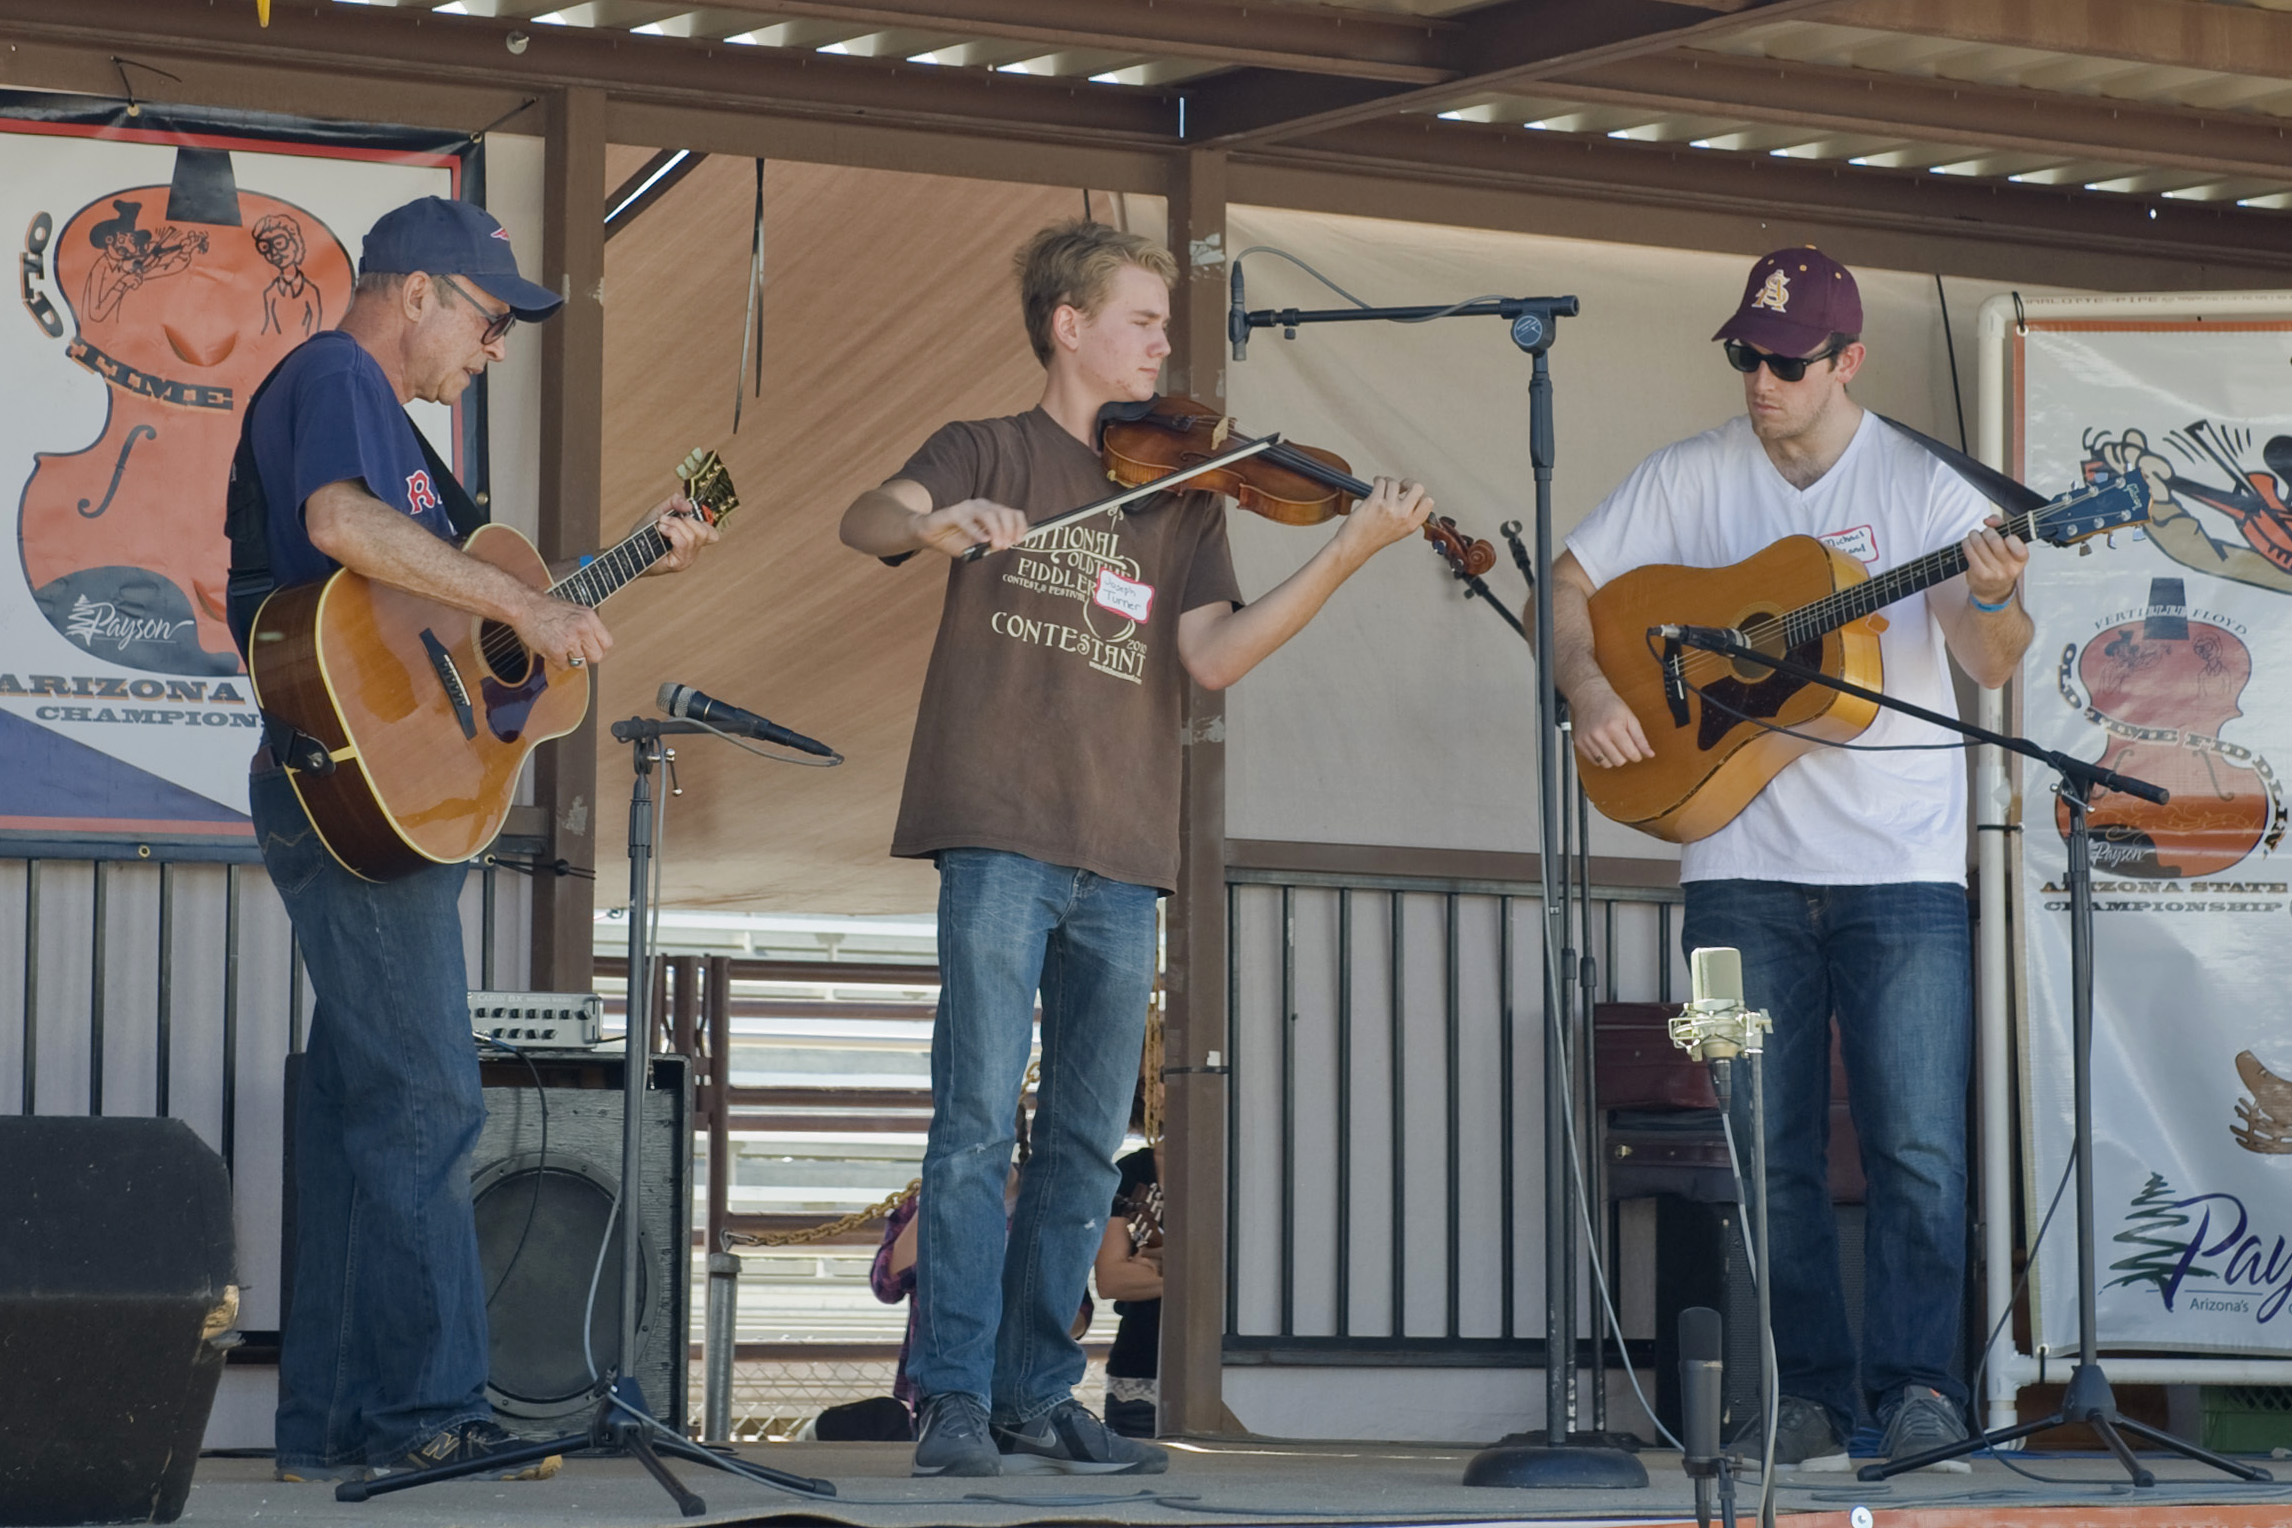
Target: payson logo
x=2202, y=1254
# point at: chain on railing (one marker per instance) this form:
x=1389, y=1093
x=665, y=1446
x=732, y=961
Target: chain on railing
x=826, y=1228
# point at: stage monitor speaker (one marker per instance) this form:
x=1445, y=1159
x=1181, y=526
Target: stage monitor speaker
x=544, y=1178
x=117, y=1302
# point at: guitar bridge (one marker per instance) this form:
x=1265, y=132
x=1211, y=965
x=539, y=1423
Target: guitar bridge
x=451, y=678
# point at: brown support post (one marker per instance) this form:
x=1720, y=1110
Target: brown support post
x=1195, y=1047
x=572, y=474
x=684, y=1004
x=715, y=1108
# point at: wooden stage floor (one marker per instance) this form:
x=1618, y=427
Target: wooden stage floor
x=1255, y=1481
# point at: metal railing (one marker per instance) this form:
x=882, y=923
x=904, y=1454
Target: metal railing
x=1384, y=1196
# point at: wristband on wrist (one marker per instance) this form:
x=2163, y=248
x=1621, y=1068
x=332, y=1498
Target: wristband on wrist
x=1986, y=608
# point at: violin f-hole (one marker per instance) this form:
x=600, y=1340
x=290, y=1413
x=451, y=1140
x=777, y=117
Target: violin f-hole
x=118, y=470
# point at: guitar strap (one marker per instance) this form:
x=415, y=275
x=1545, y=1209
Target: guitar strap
x=1991, y=484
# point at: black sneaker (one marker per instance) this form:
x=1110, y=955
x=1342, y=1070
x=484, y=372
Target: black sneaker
x=465, y=1442
x=1805, y=1438
x=1919, y=1420
x=951, y=1438
x=1068, y=1440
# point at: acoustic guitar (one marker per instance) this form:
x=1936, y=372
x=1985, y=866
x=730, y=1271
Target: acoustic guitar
x=427, y=713
x=1713, y=720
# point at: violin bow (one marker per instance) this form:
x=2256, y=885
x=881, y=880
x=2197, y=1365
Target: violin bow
x=1117, y=500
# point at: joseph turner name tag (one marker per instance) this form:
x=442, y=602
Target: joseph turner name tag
x=1125, y=597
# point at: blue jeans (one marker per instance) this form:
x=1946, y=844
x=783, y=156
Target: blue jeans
x=990, y=1322
x=386, y=1343
x=1894, y=963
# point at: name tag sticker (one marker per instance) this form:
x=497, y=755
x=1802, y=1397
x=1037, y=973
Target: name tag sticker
x=1125, y=597
x=1860, y=543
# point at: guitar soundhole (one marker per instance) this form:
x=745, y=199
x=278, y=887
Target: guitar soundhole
x=506, y=657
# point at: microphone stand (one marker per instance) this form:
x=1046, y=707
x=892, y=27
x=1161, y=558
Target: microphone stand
x=2088, y=1401
x=621, y=1421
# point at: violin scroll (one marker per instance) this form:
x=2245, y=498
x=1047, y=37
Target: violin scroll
x=1468, y=556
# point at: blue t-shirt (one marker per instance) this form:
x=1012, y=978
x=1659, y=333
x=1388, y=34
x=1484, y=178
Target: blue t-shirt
x=329, y=416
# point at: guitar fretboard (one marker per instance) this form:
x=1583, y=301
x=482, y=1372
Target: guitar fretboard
x=1852, y=603
x=610, y=571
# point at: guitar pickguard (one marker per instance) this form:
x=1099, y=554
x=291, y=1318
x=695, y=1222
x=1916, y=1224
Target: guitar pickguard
x=508, y=706
x=1727, y=702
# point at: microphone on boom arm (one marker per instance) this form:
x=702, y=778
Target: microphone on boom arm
x=686, y=703
x=1237, y=322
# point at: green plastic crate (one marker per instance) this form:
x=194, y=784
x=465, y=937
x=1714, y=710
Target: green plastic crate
x=2246, y=1419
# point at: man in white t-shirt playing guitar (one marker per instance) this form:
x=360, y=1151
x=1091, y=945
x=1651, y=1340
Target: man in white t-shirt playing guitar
x=1843, y=883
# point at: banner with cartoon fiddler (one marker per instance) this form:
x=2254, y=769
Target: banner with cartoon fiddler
x=165, y=266
x=2166, y=655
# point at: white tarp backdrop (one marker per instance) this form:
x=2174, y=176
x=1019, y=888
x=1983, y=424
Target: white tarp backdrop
x=2159, y=656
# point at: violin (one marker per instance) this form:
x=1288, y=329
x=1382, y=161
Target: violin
x=1288, y=484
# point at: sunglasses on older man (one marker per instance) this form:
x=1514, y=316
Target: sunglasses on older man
x=497, y=324
x=1787, y=368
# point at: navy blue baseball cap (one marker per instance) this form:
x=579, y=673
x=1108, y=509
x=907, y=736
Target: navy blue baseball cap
x=451, y=238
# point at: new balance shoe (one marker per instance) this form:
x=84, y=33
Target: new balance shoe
x=1918, y=1420
x=951, y=1438
x=467, y=1442
x=1805, y=1438
x=1068, y=1440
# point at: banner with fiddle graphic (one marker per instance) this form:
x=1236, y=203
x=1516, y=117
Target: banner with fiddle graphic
x=167, y=262
x=2168, y=657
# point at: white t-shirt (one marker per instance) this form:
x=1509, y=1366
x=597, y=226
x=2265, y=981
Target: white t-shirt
x=1834, y=816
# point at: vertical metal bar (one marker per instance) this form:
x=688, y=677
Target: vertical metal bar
x=1571, y=966
x=1400, y=1112
x=230, y=1133
x=1288, y=1111
x=1452, y=1022
x=716, y=1108
x=488, y=897
x=1588, y=1046
x=1345, y=1111
x=1608, y=944
x=1234, y=1027
x=294, y=996
x=1506, y=1081
x=722, y=1325
x=163, y=1037
x=31, y=1082
x=96, y=954
x=1663, y=952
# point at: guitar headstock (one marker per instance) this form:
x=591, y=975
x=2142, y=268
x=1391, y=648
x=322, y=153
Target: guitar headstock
x=708, y=485
x=2110, y=503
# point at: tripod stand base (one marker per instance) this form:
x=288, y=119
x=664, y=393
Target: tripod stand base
x=2091, y=1404
x=1565, y=1468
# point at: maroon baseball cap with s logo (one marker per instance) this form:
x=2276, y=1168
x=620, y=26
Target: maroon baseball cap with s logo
x=1794, y=301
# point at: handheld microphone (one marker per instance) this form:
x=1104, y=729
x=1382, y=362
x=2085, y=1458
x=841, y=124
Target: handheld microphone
x=686, y=703
x=1700, y=1373
x=1237, y=322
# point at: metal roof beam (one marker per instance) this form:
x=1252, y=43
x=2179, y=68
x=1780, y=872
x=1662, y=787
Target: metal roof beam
x=1493, y=48
x=1319, y=39
x=422, y=46
x=2177, y=34
x=1783, y=190
x=1827, y=99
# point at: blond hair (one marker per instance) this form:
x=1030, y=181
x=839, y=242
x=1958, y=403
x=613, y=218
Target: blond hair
x=1071, y=265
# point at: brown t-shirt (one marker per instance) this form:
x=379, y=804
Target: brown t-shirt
x=1051, y=714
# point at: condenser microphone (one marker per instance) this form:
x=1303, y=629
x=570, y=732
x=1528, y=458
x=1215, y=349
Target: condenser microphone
x=1700, y=1374
x=1716, y=639
x=1237, y=322
x=686, y=703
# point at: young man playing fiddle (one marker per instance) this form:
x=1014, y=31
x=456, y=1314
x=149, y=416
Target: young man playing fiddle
x=1843, y=884
x=1044, y=780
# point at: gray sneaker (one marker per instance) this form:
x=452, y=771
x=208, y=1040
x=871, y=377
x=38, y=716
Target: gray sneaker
x=1919, y=1420
x=1068, y=1440
x=1805, y=1438
x=951, y=1438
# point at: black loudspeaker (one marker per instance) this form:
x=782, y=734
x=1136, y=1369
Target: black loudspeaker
x=544, y=1180
x=117, y=1302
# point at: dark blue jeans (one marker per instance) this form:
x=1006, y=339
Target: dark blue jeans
x=993, y=1323
x=1895, y=964
x=386, y=1343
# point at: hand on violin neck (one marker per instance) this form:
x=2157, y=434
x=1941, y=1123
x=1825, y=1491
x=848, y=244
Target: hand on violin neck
x=956, y=528
x=1398, y=508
